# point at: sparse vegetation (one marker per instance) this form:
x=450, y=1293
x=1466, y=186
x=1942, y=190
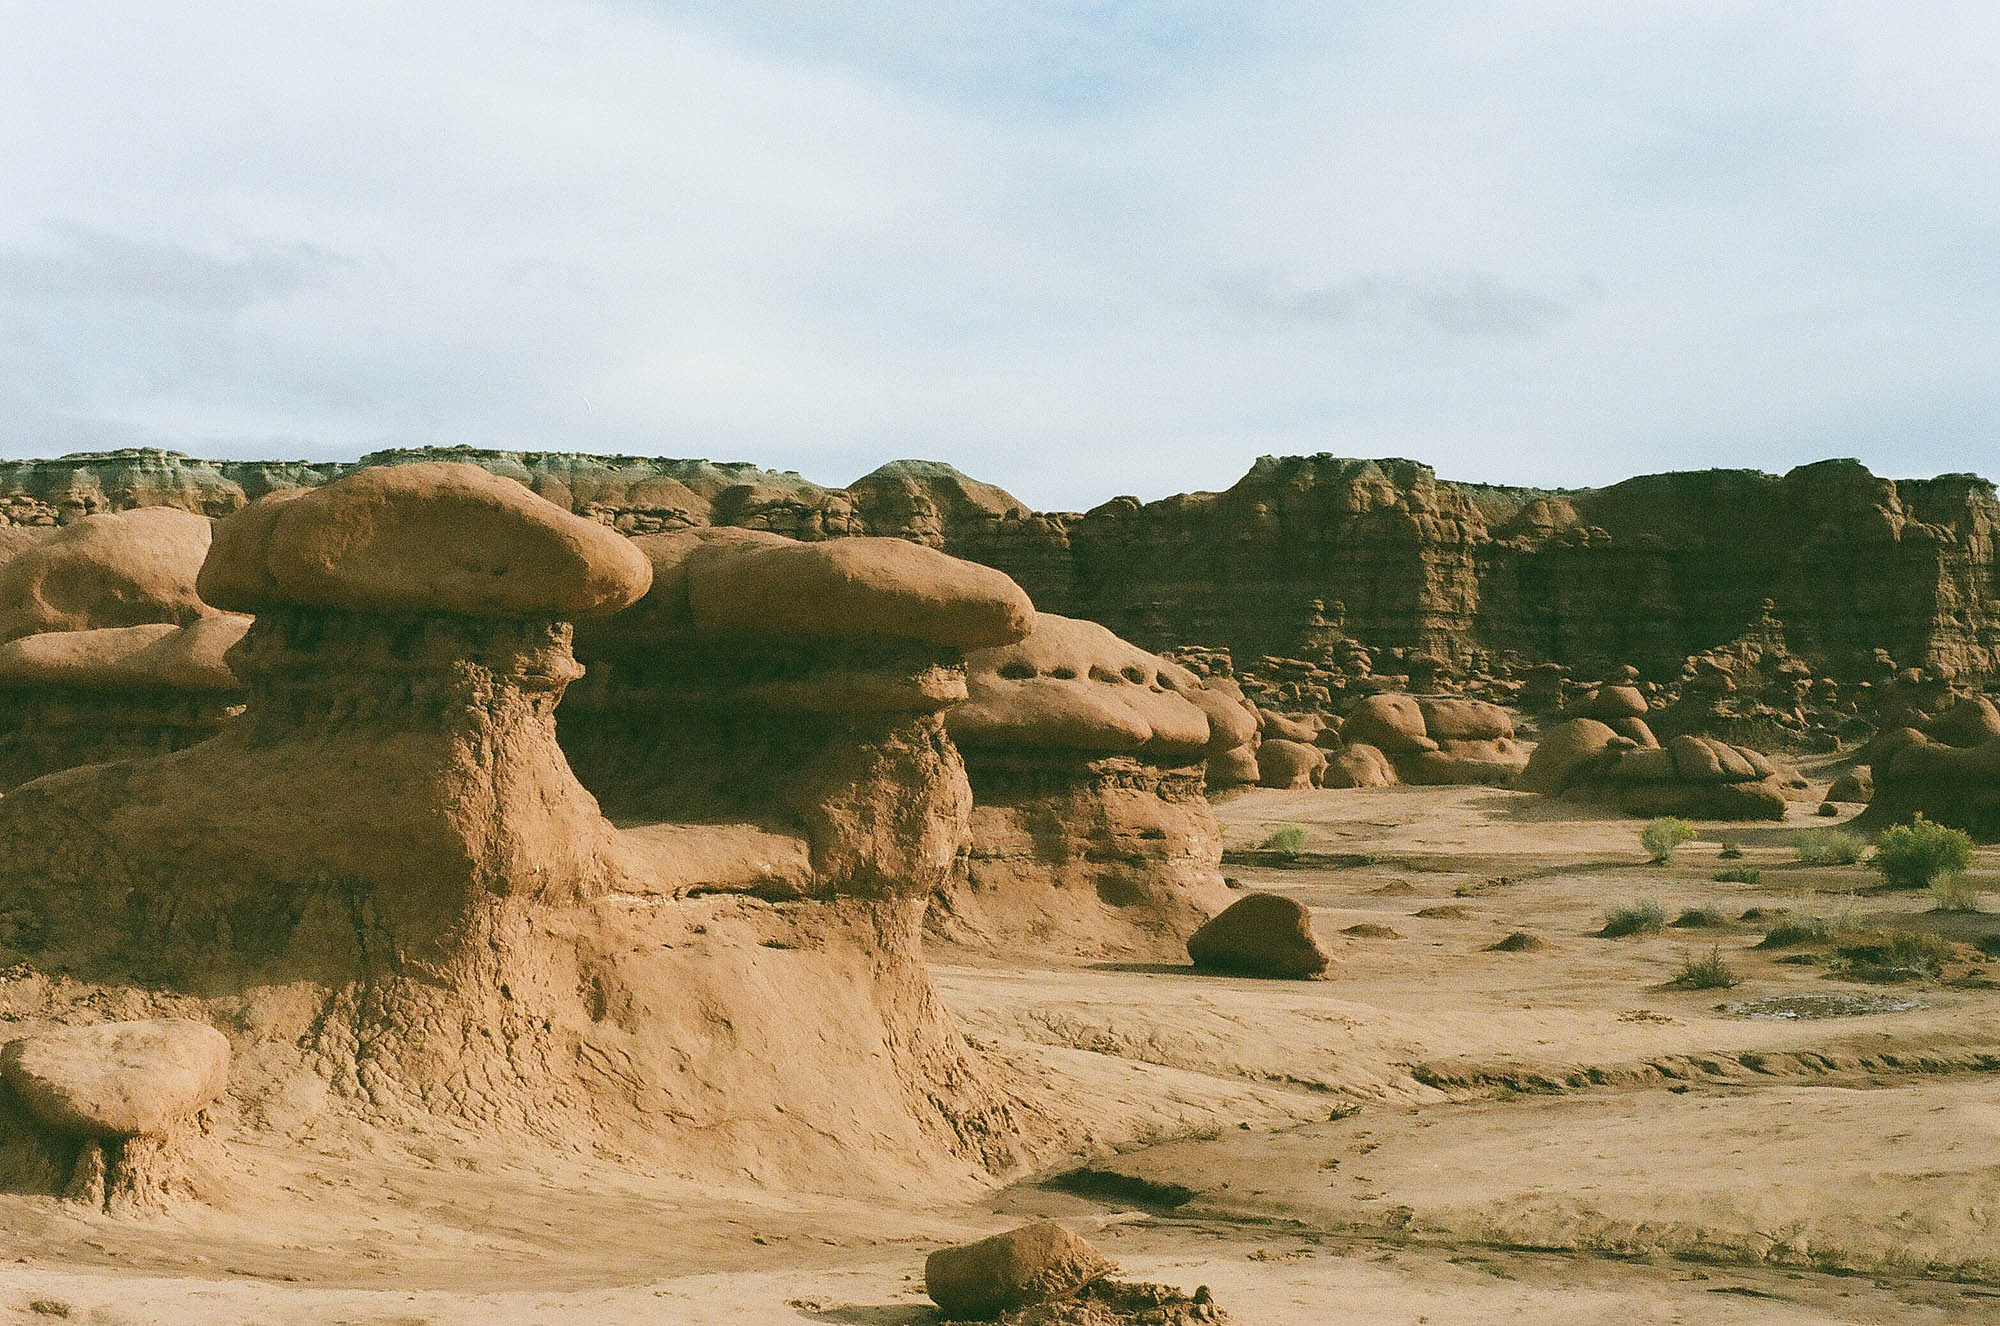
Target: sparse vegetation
x=1740, y=875
x=1699, y=918
x=1796, y=930
x=1706, y=973
x=1918, y=854
x=1640, y=918
x=1730, y=850
x=1519, y=942
x=1901, y=955
x=1286, y=840
x=1662, y=836
x=1829, y=847
x=1954, y=893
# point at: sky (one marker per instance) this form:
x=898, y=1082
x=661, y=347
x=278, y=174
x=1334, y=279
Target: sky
x=1078, y=248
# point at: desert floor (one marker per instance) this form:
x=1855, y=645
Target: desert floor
x=1439, y=1132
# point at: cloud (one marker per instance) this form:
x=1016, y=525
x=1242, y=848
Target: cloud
x=1538, y=241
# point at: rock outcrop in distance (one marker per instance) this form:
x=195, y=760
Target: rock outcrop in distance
x=1425, y=572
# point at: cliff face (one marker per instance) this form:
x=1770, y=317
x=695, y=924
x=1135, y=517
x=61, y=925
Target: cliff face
x=1646, y=571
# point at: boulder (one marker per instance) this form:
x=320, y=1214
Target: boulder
x=159, y=656
x=1611, y=703
x=117, y=1079
x=1275, y=724
x=1635, y=729
x=1289, y=764
x=1563, y=752
x=1972, y=721
x=1263, y=934
x=123, y=568
x=1231, y=722
x=434, y=537
x=1464, y=720
x=1496, y=762
x=1854, y=786
x=1358, y=766
x=1706, y=760
x=1392, y=723
x=1073, y=685
x=1035, y=1263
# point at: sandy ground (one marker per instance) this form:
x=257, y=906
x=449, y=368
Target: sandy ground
x=1437, y=1133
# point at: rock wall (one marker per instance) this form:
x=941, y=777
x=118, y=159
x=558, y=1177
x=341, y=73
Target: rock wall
x=1647, y=571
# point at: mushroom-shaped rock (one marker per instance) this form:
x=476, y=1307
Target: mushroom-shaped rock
x=428, y=538
x=1073, y=685
x=1393, y=724
x=121, y=568
x=117, y=1079
x=1285, y=728
x=1289, y=764
x=1465, y=720
x=1034, y=1264
x=1264, y=934
x=1564, y=751
x=1231, y=722
x=114, y=658
x=1359, y=765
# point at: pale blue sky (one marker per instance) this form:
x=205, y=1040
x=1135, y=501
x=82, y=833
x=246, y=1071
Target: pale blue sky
x=1077, y=249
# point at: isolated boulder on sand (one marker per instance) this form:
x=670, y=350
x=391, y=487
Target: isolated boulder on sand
x=1264, y=934
x=1035, y=1263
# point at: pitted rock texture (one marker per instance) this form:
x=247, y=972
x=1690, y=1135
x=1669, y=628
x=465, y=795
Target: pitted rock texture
x=117, y=1079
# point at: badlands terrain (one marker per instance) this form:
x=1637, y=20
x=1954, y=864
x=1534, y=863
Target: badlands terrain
x=488, y=887
x=1438, y=1131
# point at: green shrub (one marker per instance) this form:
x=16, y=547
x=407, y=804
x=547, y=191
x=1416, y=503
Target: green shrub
x=1917, y=854
x=1660, y=837
x=1709, y=973
x=1796, y=930
x=1286, y=840
x=1730, y=851
x=1829, y=847
x=1740, y=875
x=1642, y=918
x=1954, y=893
x=1902, y=955
x=1699, y=918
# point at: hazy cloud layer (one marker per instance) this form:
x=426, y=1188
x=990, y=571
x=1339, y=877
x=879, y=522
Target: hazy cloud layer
x=1075, y=248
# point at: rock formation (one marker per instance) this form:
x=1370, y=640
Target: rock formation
x=386, y=874
x=1340, y=569
x=1262, y=934
x=1698, y=777
x=1948, y=771
x=1090, y=829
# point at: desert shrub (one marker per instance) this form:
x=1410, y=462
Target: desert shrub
x=1902, y=955
x=1699, y=918
x=1660, y=837
x=1286, y=840
x=1639, y=918
x=1954, y=893
x=1916, y=854
x=1828, y=847
x=1730, y=850
x=1709, y=973
x=1518, y=942
x=1796, y=930
x=1740, y=875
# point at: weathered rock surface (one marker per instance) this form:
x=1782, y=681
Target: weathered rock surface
x=1698, y=777
x=117, y=1079
x=1653, y=570
x=125, y=568
x=1033, y=1264
x=1289, y=764
x=1264, y=934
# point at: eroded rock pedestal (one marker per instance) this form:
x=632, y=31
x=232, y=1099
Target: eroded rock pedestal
x=387, y=876
x=1091, y=831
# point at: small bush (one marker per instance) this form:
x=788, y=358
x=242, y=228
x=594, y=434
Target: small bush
x=1660, y=837
x=1954, y=893
x=1740, y=875
x=1919, y=853
x=1518, y=942
x=1903, y=955
x=1730, y=851
x=1700, y=918
x=1286, y=840
x=1643, y=918
x=1796, y=930
x=1828, y=847
x=1709, y=973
